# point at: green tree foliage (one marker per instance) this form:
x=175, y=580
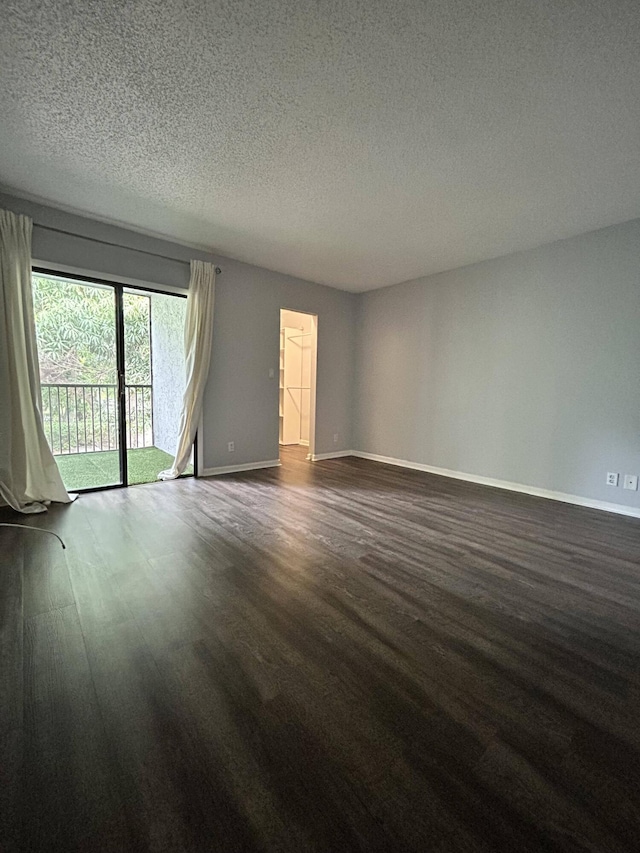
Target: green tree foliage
x=75, y=326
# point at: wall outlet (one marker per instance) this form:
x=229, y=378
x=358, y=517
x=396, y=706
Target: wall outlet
x=613, y=479
x=231, y=447
x=335, y=438
x=631, y=482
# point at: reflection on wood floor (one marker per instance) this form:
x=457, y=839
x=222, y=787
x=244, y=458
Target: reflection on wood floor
x=332, y=656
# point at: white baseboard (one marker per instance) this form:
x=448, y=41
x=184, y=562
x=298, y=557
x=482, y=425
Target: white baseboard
x=233, y=469
x=577, y=500
x=337, y=454
x=305, y=443
x=621, y=509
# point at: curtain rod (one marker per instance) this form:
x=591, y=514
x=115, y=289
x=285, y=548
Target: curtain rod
x=116, y=245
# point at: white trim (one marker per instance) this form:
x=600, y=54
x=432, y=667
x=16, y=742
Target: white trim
x=232, y=469
x=303, y=442
x=337, y=454
x=621, y=509
x=313, y=383
x=313, y=378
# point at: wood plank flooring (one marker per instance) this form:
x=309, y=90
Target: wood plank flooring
x=338, y=656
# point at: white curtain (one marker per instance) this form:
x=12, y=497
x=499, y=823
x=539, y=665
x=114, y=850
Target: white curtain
x=29, y=476
x=198, y=333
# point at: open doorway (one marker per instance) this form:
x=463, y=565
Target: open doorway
x=297, y=383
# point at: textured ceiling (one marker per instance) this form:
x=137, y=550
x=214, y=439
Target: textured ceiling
x=352, y=142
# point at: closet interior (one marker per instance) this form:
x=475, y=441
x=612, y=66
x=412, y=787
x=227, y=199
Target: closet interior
x=297, y=341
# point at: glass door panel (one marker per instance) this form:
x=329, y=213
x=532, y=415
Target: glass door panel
x=154, y=381
x=76, y=323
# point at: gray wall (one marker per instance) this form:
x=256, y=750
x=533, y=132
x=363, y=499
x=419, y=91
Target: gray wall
x=167, y=368
x=525, y=368
x=241, y=401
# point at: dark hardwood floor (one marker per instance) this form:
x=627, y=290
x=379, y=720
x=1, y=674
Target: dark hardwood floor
x=339, y=656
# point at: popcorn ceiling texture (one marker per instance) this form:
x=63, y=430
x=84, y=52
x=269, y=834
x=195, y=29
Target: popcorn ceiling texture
x=355, y=143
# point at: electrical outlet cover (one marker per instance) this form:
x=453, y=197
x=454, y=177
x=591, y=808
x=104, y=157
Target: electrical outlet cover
x=613, y=479
x=631, y=482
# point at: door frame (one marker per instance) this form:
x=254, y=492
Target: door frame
x=312, y=378
x=119, y=289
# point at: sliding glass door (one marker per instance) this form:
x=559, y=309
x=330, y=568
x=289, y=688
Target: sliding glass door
x=154, y=378
x=80, y=352
x=112, y=372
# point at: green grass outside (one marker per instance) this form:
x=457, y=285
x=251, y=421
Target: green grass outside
x=88, y=470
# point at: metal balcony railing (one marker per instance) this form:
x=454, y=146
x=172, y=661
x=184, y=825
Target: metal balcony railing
x=84, y=418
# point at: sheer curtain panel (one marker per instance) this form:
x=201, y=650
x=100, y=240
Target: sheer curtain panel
x=29, y=476
x=198, y=333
